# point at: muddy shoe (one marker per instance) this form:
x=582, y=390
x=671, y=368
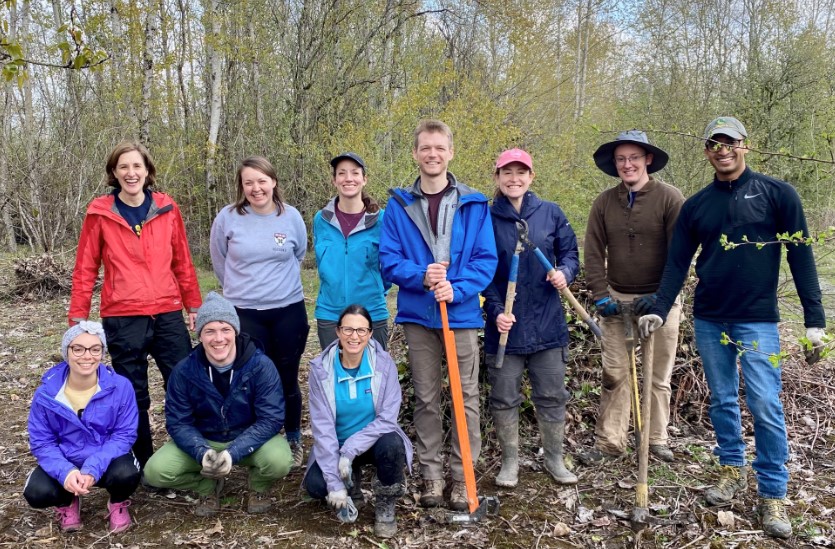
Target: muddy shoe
x=209, y=505
x=775, y=521
x=433, y=493
x=259, y=502
x=297, y=452
x=731, y=480
x=594, y=456
x=458, y=497
x=662, y=452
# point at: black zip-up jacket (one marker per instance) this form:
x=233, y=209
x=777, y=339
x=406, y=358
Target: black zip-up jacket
x=740, y=284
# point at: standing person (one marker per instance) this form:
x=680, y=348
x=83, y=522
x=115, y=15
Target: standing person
x=223, y=407
x=437, y=245
x=346, y=237
x=82, y=425
x=736, y=299
x=537, y=332
x=140, y=238
x=354, y=402
x=629, y=231
x=257, y=246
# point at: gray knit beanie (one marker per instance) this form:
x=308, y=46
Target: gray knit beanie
x=85, y=326
x=217, y=308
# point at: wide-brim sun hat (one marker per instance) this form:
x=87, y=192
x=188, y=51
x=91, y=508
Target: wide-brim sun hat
x=604, y=156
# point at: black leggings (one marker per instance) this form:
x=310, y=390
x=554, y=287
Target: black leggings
x=388, y=456
x=120, y=480
x=283, y=332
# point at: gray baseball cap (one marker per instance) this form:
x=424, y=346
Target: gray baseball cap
x=726, y=125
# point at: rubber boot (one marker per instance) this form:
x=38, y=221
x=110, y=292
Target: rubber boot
x=385, y=498
x=507, y=431
x=552, y=433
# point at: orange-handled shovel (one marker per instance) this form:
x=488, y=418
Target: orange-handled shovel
x=458, y=407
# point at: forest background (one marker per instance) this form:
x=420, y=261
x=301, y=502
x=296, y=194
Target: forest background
x=205, y=83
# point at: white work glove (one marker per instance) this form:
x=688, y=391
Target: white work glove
x=345, y=470
x=648, y=324
x=208, y=463
x=338, y=499
x=816, y=337
x=221, y=468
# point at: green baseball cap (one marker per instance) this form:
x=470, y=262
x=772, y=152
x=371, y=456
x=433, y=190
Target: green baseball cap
x=726, y=125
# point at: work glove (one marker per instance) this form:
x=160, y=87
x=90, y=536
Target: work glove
x=221, y=468
x=607, y=306
x=816, y=343
x=345, y=470
x=208, y=463
x=643, y=305
x=648, y=324
x=338, y=499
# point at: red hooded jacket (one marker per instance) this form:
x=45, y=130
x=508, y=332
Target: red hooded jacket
x=143, y=276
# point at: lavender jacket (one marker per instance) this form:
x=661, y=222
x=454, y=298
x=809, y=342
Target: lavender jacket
x=385, y=390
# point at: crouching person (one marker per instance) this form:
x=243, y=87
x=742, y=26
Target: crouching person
x=224, y=406
x=82, y=425
x=354, y=402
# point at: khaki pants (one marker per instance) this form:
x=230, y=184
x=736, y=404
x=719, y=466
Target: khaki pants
x=426, y=349
x=613, y=420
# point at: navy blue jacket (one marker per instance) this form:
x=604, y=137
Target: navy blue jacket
x=251, y=414
x=740, y=284
x=540, y=319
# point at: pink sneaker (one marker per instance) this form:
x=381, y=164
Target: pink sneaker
x=119, y=516
x=69, y=517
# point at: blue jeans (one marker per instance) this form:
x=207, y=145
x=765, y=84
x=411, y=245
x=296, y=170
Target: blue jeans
x=763, y=384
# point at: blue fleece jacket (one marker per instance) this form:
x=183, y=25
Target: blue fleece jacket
x=405, y=252
x=349, y=268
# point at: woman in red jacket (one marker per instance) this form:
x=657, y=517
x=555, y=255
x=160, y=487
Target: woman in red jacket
x=139, y=237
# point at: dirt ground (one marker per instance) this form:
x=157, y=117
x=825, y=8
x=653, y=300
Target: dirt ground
x=538, y=513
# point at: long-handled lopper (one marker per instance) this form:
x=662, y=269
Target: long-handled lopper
x=522, y=227
x=478, y=508
x=512, y=277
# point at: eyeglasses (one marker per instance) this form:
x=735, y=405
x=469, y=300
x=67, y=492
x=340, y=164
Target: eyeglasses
x=348, y=331
x=79, y=350
x=622, y=160
x=717, y=146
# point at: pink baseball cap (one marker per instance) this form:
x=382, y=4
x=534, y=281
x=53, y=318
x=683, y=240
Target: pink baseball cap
x=514, y=155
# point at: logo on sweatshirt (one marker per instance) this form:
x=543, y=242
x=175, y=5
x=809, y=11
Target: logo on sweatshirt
x=280, y=238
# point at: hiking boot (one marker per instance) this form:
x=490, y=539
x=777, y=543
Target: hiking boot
x=458, y=497
x=69, y=517
x=731, y=480
x=433, y=493
x=553, y=433
x=209, y=505
x=595, y=456
x=119, y=516
x=258, y=502
x=355, y=492
x=385, y=500
x=775, y=521
x=662, y=452
x=297, y=453
x=507, y=431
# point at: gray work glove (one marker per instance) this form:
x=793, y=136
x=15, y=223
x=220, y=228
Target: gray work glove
x=648, y=324
x=816, y=337
x=338, y=499
x=345, y=470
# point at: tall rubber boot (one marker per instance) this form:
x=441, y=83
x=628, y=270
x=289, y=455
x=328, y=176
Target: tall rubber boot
x=507, y=431
x=385, y=500
x=553, y=433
